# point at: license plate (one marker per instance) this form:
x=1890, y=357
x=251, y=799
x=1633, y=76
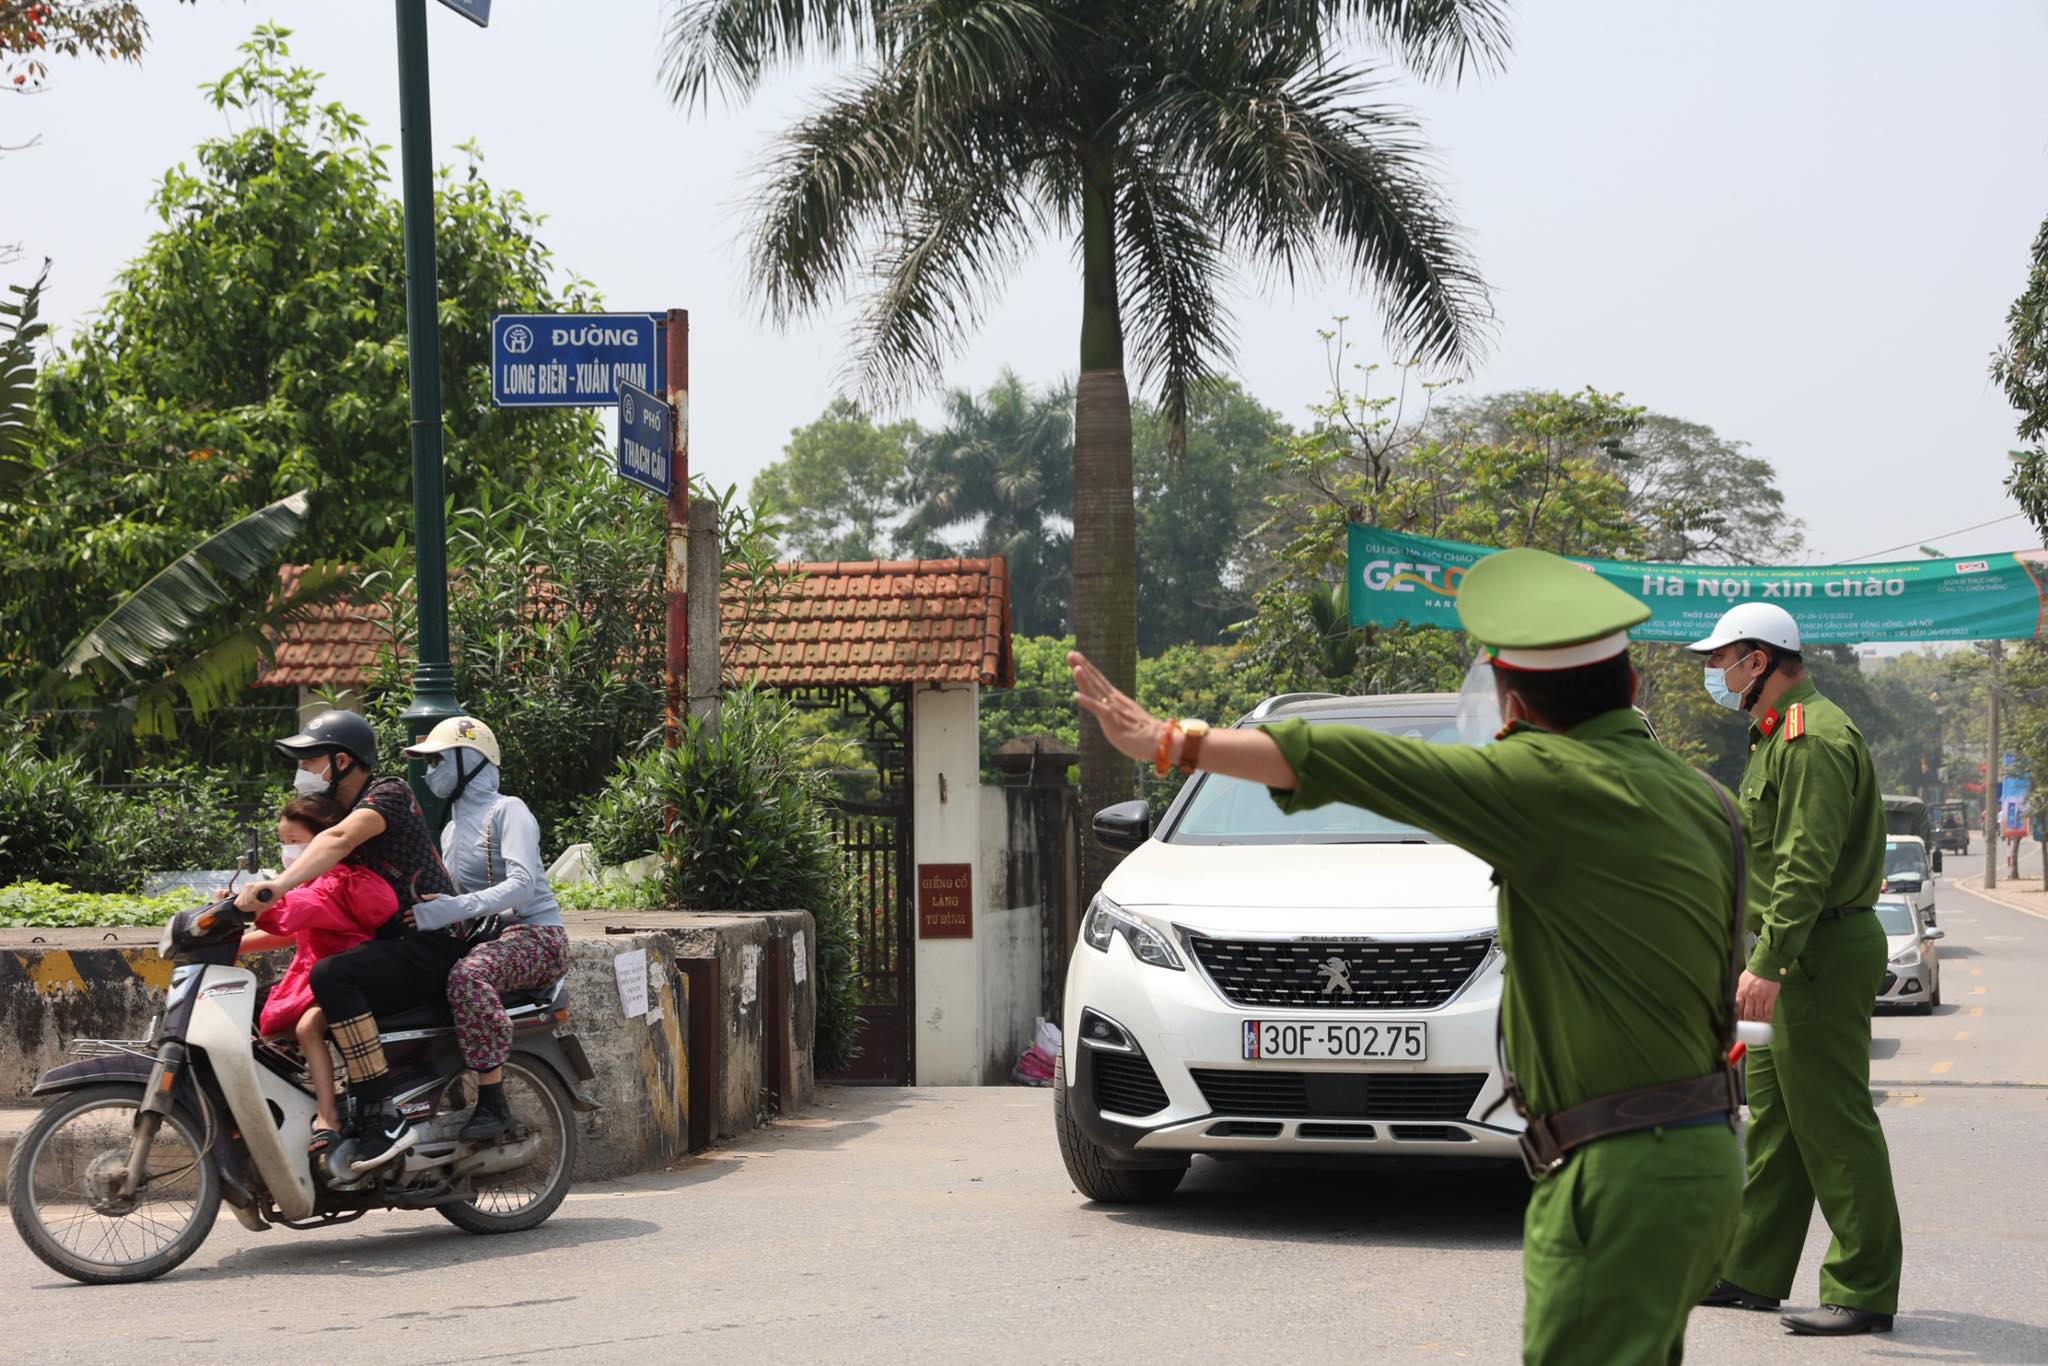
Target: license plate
x=1308, y=1040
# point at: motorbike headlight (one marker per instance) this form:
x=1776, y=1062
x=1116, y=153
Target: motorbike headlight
x=1106, y=920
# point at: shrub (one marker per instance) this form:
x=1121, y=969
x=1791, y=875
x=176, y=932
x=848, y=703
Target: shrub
x=180, y=816
x=53, y=822
x=750, y=835
x=52, y=905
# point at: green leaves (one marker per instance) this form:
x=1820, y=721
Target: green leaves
x=20, y=330
x=160, y=616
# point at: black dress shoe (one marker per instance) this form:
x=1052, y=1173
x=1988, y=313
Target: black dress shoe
x=1836, y=1321
x=1729, y=1295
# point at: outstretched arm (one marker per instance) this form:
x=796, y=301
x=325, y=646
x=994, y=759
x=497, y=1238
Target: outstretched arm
x=1248, y=754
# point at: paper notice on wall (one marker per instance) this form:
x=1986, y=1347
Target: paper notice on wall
x=750, y=974
x=799, y=957
x=631, y=969
x=654, y=1015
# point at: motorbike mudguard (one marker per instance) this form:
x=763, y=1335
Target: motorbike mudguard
x=126, y=1067
x=562, y=1054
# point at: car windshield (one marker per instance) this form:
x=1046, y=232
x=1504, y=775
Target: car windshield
x=1909, y=859
x=1896, y=917
x=1233, y=811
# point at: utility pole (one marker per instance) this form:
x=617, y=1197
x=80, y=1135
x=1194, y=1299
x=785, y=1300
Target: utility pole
x=433, y=679
x=1994, y=771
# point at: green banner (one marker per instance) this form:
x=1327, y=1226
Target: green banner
x=1398, y=579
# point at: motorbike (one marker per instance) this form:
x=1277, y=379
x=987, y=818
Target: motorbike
x=121, y=1177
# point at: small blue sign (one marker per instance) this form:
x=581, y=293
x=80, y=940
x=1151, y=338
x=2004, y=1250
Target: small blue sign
x=573, y=360
x=646, y=440
x=478, y=12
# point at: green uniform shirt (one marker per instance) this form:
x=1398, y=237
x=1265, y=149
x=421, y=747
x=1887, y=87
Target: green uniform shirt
x=1816, y=825
x=1617, y=885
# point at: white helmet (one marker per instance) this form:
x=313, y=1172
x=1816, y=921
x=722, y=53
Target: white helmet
x=1764, y=621
x=457, y=732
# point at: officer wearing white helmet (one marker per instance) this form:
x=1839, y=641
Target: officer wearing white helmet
x=1816, y=856
x=491, y=844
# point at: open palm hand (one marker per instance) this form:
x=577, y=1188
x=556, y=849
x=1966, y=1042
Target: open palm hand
x=1128, y=726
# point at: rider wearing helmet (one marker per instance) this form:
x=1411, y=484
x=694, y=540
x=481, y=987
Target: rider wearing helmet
x=403, y=967
x=492, y=847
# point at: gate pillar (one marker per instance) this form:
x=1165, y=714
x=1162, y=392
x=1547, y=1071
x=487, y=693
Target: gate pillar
x=946, y=789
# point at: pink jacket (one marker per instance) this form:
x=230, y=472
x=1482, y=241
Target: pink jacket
x=335, y=911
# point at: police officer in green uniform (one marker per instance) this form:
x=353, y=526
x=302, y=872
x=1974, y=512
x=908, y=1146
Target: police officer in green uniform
x=1816, y=836
x=1618, y=905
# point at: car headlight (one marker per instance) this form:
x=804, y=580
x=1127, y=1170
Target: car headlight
x=1906, y=956
x=1106, y=920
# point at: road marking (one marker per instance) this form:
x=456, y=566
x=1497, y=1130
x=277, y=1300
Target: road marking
x=1976, y=1010
x=1976, y=972
x=1941, y=1067
x=1980, y=991
x=1961, y=1035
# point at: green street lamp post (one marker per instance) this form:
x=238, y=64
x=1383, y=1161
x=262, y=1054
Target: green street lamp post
x=433, y=680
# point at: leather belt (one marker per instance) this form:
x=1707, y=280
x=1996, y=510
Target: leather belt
x=1550, y=1139
x=1837, y=912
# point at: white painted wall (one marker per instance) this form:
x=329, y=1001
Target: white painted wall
x=1012, y=947
x=945, y=749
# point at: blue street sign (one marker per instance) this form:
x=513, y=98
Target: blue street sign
x=646, y=439
x=573, y=360
x=478, y=12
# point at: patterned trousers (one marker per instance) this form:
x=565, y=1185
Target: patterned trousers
x=523, y=958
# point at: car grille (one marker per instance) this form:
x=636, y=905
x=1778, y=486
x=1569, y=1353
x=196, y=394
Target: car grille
x=1126, y=1084
x=1340, y=1095
x=1373, y=976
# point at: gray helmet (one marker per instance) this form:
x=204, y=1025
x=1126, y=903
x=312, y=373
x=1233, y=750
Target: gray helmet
x=333, y=732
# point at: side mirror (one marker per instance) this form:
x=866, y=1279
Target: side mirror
x=1124, y=826
x=1932, y=933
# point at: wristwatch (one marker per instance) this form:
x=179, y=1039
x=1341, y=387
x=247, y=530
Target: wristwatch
x=1192, y=734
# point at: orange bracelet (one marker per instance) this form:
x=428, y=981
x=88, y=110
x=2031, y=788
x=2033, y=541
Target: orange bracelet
x=1162, y=760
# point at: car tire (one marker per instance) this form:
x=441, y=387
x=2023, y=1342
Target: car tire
x=1935, y=1000
x=1086, y=1161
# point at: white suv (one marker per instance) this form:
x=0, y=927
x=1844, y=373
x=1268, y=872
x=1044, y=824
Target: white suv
x=1264, y=985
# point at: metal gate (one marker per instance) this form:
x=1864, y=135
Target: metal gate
x=872, y=820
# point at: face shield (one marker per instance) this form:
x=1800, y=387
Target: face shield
x=1479, y=717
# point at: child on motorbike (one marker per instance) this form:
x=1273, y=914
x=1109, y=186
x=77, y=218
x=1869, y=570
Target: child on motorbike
x=491, y=845
x=338, y=910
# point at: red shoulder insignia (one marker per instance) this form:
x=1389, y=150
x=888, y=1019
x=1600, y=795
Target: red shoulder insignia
x=1795, y=722
x=1768, y=723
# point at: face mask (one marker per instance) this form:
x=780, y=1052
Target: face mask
x=1718, y=689
x=443, y=778
x=311, y=784
x=288, y=854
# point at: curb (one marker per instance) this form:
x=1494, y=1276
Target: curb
x=1975, y=887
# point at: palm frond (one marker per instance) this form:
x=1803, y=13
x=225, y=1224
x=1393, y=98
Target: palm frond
x=20, y=330
x=1434, y=38
x=1300, y=165
x=161, y=615
x=732, y=44
x=1176, y=320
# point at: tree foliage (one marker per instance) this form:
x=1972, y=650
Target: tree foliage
x=33, y=30
x=257, y=347
x=840, y=487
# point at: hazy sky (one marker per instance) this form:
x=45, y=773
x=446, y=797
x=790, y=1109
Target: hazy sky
x=1799, y=224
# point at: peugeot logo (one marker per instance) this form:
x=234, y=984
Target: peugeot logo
x=1336, y=975
x=518, y=339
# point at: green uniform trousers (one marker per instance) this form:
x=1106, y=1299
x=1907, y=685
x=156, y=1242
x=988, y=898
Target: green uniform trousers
x=1814, y=1134
x=1620, y=1245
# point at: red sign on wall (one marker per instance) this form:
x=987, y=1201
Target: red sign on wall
x=945, y=901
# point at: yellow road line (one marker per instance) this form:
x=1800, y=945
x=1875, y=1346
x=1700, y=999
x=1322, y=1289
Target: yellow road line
x=1976, y=972
x=1976, y=1010
x=1979, y=991
x=1941, y=1067
x=1961, y=1035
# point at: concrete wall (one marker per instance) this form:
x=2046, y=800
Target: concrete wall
x=1012, y=932
x=945, y=746
x=748, y=949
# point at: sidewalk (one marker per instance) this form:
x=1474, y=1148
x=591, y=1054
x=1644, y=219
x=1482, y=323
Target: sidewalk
x=2024, y=894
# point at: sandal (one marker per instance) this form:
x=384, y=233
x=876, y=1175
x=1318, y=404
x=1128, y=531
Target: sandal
x=323, y=1139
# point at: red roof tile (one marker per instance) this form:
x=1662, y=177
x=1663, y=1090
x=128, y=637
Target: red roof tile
x=869, y=624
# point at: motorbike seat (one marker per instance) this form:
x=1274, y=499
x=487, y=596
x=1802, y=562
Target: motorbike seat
x=524, y=1007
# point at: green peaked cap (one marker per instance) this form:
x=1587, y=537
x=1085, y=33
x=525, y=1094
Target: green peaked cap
x=1530, y=601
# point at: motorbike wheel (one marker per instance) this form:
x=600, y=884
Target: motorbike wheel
x=70, y=1148
x=509, y=1202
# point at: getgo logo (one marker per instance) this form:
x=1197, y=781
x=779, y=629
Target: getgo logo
x=1403, y=576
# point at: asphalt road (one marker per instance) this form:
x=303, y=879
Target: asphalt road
x=938, y=1226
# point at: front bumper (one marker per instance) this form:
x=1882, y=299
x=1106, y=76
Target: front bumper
x=1188, y=1037
x=1910, y=984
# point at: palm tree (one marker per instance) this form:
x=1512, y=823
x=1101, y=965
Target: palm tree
x=1164, y=139
x=1004, y=461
